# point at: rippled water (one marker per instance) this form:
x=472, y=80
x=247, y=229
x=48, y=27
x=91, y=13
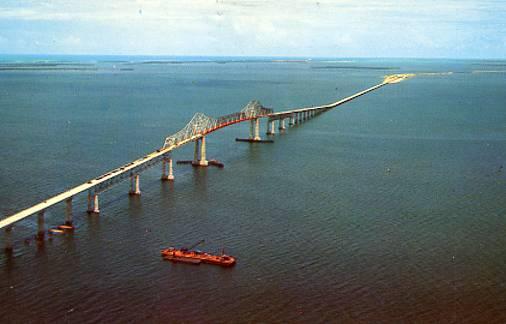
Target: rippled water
x=388, y=209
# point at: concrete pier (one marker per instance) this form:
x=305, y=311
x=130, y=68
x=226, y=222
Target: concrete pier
x=93, y=207
x=271, y=129
x=254, y=133
x=68, y=212
x=41, y=228
x=203, y=159
x=256, y=123
x=8, y=239
x=134, y=185
x=282, y=124
x=167, y=162
x=199, y=153
x=196, y=152
x=251, y=129
x=292, y=120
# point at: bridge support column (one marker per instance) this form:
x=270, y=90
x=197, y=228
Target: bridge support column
x=271, y=130
x=254, y=130
x=282, y=124
x=257, y=130
x=93, y=207
x=203, y=160
x=251, y=129
x=196, y=153
x=41, y=229
x=254, y=133
x=8, y=239
x=170, y=176
x=292, y=120
x=68, y=211
x=134, y=185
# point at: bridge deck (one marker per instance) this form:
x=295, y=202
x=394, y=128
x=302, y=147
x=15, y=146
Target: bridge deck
x=330, y=105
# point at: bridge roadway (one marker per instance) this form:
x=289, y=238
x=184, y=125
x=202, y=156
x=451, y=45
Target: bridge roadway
x=327, y=106
x=195, y=132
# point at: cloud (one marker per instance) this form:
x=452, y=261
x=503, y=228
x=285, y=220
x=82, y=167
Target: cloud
x=225, y=27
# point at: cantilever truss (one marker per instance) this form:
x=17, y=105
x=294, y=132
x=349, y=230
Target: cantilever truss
x=255, y=109
x=197, y=125
x=201, y=124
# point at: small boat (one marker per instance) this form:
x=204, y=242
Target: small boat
x=187, y=255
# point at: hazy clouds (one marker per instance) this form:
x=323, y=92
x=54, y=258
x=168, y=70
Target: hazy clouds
x=220, y=27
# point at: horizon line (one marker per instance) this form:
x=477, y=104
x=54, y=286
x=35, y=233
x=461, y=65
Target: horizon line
x=262, y=56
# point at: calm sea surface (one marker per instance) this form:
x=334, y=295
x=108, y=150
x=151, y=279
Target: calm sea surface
x=388, y=209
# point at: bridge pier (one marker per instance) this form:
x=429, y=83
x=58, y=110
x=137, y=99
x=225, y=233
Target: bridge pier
x=291, y=122
x=203, y=159
x=93, y=207
x=196, y=152
x=68, y=212
x=254, y=133
x=134, y=185
x=282, y=124
x=41, y=229
x=199, y=153
x=199, y=157
x=8, y=240
x=167, y=162
x=271, y=129
x=255, y=130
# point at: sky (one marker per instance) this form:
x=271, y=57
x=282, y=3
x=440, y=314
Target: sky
x=334, y=28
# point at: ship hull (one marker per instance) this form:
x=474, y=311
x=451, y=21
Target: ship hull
x=194, y=257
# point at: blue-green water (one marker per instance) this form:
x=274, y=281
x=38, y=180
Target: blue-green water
x=387, y=209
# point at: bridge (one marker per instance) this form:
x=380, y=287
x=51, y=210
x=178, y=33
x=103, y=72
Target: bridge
x=195, y=131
